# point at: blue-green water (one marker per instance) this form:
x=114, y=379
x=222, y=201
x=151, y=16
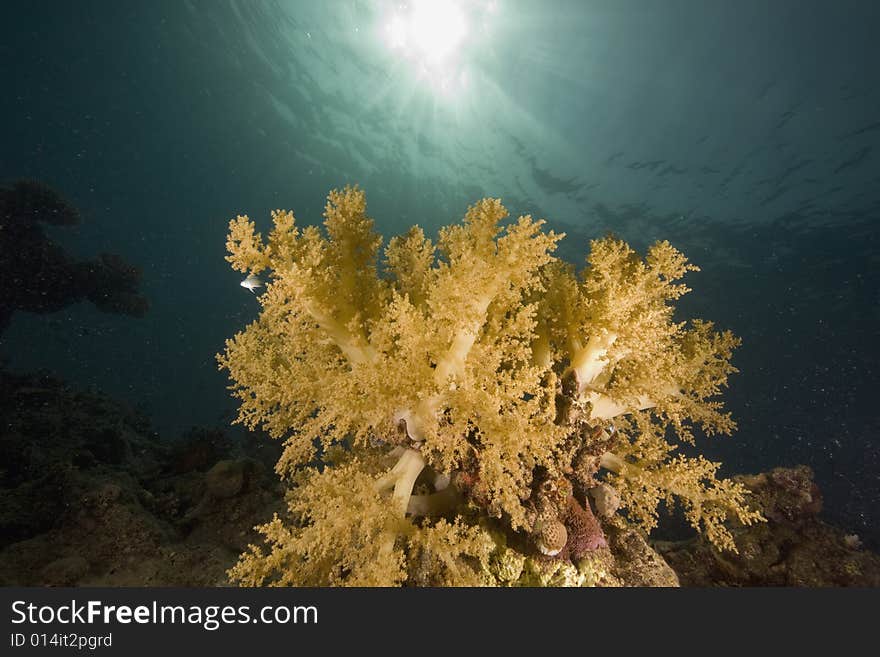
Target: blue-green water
x=747, y=133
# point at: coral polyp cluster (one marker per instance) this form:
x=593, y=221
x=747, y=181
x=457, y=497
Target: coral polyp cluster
x=453, y=412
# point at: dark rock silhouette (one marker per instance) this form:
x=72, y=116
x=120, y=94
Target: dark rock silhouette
x=37, y=275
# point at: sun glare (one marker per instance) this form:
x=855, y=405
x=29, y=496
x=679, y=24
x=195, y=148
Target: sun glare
x=434, y=36
x=437, y=28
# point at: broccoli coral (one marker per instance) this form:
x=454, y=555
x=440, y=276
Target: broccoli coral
x=490, y=370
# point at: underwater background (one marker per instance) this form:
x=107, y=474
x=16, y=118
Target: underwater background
x=747, y=133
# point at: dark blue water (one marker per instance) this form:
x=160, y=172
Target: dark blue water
x=747, y=133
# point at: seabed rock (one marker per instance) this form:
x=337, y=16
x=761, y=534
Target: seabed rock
x=90, y=496
x=793, y=548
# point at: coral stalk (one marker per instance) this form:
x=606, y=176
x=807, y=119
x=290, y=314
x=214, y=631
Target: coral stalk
x=402, y=477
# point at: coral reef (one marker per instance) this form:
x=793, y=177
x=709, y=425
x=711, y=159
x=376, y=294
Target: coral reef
x=449, y=402
x=793, y=548
x=89, y=495
x=36, y=274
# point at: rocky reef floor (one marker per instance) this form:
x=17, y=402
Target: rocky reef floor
x=90, y=496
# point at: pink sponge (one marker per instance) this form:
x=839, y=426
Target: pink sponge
x=584, y=532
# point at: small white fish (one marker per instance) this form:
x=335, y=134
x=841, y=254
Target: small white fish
x=251, y=282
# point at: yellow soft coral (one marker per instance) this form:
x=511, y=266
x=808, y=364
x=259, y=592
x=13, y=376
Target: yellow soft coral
x=480, y=359
x=339, y=352
x=342, y=533
x=644, y=475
